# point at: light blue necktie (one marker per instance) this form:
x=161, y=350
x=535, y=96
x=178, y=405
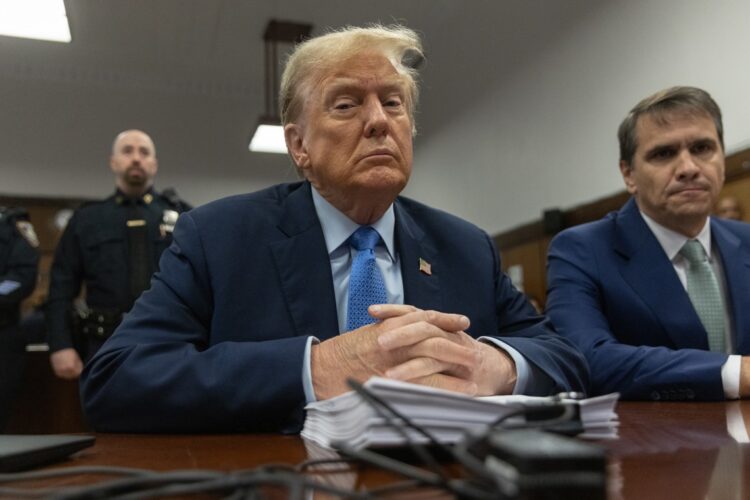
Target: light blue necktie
x=703, y=290
x=366, y=285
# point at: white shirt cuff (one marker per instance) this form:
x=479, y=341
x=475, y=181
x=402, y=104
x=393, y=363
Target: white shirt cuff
x=730, y=376
x=307, y=383
x=523, y=373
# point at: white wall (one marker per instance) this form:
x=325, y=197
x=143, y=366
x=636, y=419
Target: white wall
x=544, y=135
x=521, y=98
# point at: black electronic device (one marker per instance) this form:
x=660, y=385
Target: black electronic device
x=21, y=451
x=528, y=464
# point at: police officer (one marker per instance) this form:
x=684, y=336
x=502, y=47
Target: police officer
x=18, y=268
x=113, y=247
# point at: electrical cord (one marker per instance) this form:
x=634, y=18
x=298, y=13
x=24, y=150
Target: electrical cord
x=140, y=484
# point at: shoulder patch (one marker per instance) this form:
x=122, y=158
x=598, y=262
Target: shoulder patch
x=27, y=231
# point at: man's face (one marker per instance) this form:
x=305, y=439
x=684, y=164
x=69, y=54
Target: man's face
x=353, y=141
x=729, y=208
x=677, y=170
x=133, y=161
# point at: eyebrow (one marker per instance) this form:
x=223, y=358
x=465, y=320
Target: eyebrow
x=663, y=145
x=389, y=85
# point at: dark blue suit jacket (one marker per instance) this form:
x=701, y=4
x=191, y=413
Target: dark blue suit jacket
x=217, y=343
x=614, y=292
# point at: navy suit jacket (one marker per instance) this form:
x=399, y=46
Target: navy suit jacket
x=217, y=343
x=614, y=292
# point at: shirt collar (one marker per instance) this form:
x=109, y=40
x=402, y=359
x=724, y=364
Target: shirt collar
x=672, y=241
x=337, y=227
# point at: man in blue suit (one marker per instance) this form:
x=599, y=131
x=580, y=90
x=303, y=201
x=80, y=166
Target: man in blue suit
x=254, y=311
x=653, y=321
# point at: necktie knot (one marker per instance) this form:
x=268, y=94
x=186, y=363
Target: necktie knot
x=693, y=251
x=364, y=238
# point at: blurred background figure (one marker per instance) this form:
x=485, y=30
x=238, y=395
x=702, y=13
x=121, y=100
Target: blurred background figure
x=19, y=259
x=729, y=208
x=111, y=248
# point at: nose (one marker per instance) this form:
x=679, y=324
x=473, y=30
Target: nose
x=687, y=168
x=376, y=119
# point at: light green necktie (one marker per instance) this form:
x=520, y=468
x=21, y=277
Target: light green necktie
x=703, y=290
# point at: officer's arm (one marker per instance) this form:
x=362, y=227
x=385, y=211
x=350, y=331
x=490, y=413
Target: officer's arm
x=65, y=285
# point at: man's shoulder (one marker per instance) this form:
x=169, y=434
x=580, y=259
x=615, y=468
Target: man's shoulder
x=92, y=208
x=739, y=229
x=265, y=200
x=600, y=232
x=435, y=218
x=172, y=200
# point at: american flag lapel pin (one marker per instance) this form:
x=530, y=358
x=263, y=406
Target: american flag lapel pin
x=425, y=267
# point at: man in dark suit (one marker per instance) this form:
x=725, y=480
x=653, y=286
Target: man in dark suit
x=655, y=321
x=261, y=304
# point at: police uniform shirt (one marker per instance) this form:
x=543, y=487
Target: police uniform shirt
x=103, y=246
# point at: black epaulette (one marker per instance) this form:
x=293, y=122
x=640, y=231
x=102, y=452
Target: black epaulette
x=171, y=197
x=12, y=214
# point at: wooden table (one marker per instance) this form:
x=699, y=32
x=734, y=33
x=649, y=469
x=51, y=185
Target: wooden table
x=675, y=451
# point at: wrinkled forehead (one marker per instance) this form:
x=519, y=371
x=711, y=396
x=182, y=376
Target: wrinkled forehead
x=667, y=119
x=362, y=71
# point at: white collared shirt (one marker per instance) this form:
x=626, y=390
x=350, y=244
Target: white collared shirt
x=672, y=242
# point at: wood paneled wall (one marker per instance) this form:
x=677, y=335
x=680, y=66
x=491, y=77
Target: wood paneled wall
x=526, y=245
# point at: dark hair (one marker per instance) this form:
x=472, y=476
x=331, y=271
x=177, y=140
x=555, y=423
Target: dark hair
x=690, y=100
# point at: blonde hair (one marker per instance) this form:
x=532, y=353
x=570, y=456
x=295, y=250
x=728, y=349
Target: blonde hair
x=313, y=59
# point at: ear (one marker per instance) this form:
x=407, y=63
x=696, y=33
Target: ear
x=627, y=175
x=294, y=137
x=112, y=163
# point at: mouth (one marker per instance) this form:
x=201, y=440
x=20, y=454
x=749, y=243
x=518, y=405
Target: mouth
x=689, y=190
x=378, y=153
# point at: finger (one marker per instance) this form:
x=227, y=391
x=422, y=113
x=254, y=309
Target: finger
x=385, y=311
x=422, y=366
x=445, y=351
x=448, y=383
x=443, y=321
x=414, y=333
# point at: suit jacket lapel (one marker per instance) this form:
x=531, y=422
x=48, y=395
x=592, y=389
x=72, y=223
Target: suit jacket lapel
x=651, y=274
x=421, y=289
x=735, y=260
x=303, y=268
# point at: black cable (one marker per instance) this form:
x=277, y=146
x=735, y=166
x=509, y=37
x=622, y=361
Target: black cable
x=378, y=405
x=461, y=488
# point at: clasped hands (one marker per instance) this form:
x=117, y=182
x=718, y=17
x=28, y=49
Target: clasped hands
x=413, y=345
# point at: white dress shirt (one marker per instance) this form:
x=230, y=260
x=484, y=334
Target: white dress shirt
x=672, y=242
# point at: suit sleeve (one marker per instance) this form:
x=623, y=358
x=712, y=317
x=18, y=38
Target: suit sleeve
x=66, y=276
x=555, y=364
x=20, y=267
x=160, y=371
x=576, y=305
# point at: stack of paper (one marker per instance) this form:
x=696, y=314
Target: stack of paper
x=350, y=419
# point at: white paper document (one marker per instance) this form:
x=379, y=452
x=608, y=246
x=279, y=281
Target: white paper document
x=446, y=415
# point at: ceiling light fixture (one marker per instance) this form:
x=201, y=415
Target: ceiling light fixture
x=37, y=19
x=269, y=135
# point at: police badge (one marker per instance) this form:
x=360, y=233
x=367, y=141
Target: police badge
x=168, y=220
